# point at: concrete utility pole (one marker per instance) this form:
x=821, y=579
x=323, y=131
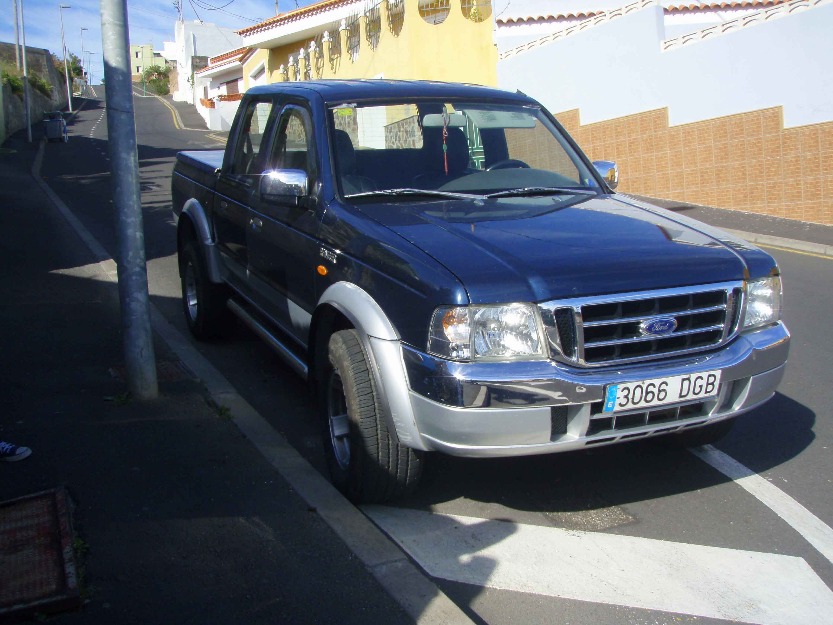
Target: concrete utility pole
x=16, y=35
x=26, y=97
x=61, y=8
x=139, y=357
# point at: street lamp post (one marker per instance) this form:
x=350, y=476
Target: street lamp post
x=27, y=101
x=16, y=35
x=61, y=8
x=83, y=65
x=90, y=66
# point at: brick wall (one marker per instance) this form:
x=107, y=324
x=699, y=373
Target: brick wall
x=746, y=162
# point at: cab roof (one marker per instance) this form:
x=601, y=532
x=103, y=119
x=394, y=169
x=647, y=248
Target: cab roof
x=381, y=89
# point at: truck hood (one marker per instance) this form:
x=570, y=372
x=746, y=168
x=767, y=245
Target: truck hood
x=543, y=248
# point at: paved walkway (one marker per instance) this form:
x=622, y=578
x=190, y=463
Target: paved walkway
x=180, y=519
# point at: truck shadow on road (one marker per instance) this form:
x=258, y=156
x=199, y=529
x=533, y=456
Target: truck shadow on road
x=571, y=487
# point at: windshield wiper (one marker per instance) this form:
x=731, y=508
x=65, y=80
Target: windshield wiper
x=410, y=192
x=541, y=191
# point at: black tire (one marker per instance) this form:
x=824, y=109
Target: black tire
x=365, y=462
x=203, y=302
x=705, y=435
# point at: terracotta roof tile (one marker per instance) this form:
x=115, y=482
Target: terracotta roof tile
x=293, y=16
x=676, y=8
x=225, y=56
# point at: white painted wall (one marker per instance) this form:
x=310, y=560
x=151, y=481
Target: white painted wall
x=618, y=68
x=221, y=116
x=198, y=39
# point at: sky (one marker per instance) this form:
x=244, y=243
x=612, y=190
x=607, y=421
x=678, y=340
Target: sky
x=149, y=21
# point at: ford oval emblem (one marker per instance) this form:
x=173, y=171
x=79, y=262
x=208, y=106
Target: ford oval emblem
x=658, y=326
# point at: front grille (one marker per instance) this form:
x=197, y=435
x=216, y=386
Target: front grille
x=611, y=330
x=615, y=423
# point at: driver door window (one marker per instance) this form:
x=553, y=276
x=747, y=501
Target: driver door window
x=284, y=242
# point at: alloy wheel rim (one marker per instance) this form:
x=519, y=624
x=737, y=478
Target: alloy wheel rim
x=191, y=300
x=338, y=421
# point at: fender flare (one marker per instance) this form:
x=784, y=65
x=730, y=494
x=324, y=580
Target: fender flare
x=381, y=342
x=196, y=214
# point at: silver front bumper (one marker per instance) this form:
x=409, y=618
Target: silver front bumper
x=524, y=408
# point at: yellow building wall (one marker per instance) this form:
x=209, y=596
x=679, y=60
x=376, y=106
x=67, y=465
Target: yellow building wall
x=460, y=49
x=252, y=63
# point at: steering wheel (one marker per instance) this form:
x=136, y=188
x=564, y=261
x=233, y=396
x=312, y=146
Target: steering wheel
x=508, y=163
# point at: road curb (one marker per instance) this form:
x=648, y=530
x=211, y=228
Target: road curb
x=789, y=244
x=409, y=586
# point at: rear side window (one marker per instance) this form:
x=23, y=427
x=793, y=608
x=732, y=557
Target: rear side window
x=292, y=143
x=247, y=159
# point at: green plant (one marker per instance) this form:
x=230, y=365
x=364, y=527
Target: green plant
x=122, y=399
x=12, y=78
x=39, y=84
x=73, y=65
x=156, y=78
x=80, y=546
x=223, y=412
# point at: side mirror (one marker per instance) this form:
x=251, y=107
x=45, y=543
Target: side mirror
x=609, y=171
x=284, y=185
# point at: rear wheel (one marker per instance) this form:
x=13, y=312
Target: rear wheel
x=203, y=302
x=365, y=461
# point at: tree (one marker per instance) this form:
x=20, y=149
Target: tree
x=156, y=79
x=73, y=65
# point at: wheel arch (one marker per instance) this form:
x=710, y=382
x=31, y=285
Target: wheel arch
x=344, y=305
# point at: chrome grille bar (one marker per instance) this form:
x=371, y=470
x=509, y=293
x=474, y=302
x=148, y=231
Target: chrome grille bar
x=642, y=339
x=606, y=330
x=593, y=324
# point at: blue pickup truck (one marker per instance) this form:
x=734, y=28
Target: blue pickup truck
x=450, y=273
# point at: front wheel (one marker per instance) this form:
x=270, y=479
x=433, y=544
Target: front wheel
x=365, y=461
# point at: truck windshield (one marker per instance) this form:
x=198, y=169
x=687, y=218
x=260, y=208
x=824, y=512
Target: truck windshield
x=463, y=147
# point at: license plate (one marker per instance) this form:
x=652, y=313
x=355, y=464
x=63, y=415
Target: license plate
x=660, y=391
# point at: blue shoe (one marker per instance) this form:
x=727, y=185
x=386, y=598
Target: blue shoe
x=12, y=453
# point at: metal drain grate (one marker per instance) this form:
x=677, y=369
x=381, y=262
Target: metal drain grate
x=37, y=563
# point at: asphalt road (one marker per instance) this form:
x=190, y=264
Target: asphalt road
x=530, y=540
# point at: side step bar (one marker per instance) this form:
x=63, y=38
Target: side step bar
x=297, y=365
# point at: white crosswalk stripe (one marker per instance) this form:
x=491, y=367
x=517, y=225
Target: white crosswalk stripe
x=745, y=586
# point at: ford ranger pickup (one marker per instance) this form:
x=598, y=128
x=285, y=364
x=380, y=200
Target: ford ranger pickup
x=450, y=274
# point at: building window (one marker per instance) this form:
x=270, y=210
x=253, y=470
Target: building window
x=434, y=11
x=476, y=10
x=353, y=32
x=138, y=69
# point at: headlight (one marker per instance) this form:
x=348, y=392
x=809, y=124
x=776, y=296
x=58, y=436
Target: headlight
x=486, y=332
x=763, y=303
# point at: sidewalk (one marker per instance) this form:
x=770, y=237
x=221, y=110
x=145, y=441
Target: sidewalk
x=181, y=519
x=761, y=229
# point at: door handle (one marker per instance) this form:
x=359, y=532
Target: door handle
x=256, y=224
